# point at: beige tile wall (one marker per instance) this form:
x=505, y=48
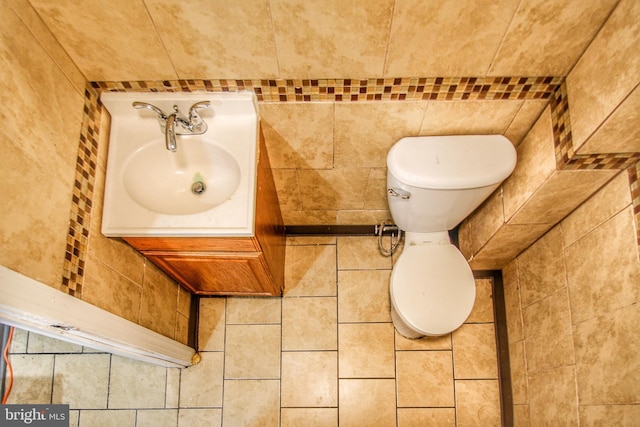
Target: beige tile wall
x=329, y=159
x=37, y=166
x=161, y=39
x=602, y=107
x=530, y=202
x=547, y=185
x=572, y=310
x=44, y=97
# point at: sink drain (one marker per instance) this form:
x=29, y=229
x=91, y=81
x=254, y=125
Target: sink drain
x=198, y=188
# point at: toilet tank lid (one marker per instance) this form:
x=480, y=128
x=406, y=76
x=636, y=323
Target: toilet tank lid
x=452, y=162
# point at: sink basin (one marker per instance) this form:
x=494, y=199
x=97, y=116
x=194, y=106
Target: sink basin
x=195, y=178
x=207, y=187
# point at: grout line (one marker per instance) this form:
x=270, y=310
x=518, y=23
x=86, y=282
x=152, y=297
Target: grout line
x=385, y=63
x=504, y=36
x=224, y=361
x=53, y=377
x=109, y=381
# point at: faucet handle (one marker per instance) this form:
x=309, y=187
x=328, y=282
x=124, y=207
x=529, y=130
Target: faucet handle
x=200, y=104
x=140, y=105
x=194, y=117
x=195, y=121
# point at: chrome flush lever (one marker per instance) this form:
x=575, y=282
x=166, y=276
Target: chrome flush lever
x=396, y=192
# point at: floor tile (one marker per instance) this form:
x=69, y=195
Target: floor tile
x=81, y=380
x=309, y=417
x=425, y=379
x=310, y=323
x=135, y=384
x=201, y=385
x=251, y=403
x=309, y=379
x=19, y=341
x=248, y=310
x=363, y=296
x=43, y=344
x=109, y=418
x=172, y=397
x=157, y=418
x=32, y=380
x=421, y=417
x=478, y=403
x=474, y=351
x=200, y=417
x=310, y=271
x=211, y=324
x=442, y=342
x=326, y=354
x=367, y=403
x=482, y=311
x=252, y=352
x=366, y=350
x=358, y=253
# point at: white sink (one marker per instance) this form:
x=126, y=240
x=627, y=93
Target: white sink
x=197, y=177
x=205, y=188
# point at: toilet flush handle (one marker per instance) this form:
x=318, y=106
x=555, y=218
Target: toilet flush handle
x=396, y=192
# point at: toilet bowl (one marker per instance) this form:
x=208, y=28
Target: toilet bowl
x=432, y=290
x=433, y=183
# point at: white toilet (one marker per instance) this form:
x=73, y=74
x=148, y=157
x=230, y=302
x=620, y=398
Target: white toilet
x=433, y=183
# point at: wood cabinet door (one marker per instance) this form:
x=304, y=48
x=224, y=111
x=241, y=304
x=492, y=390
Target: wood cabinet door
x=225, y=273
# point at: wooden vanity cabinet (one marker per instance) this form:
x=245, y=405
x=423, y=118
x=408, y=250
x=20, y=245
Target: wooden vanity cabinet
x=228, y=265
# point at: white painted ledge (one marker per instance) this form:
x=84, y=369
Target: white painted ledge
x=34, y=306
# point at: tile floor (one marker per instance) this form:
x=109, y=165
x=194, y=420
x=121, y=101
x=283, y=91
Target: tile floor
x=324, y=355
x=327, y=353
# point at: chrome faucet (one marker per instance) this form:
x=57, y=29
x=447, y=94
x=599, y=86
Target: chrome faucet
x=191, y=125
x=170, y=133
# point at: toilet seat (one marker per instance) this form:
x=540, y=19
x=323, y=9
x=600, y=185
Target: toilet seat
x=432, y=288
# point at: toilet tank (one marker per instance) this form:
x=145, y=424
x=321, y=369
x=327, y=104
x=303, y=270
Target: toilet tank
x=434, y=182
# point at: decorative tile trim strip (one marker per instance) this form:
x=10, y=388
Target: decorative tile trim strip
x=634, y=183
x=566, y=158
x=561, y=125
x=383, y=89
x=278, y=90
x=330, y=90
x=82, y=200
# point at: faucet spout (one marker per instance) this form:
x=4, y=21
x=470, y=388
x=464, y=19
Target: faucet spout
x=170, y=133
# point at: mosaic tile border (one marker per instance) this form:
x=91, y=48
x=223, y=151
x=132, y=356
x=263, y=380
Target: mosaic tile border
x=346, y=90
x=329, y=90
x=82, y=199
x=566, y=158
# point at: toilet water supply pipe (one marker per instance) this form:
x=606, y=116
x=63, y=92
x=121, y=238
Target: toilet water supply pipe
x=395, y=239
